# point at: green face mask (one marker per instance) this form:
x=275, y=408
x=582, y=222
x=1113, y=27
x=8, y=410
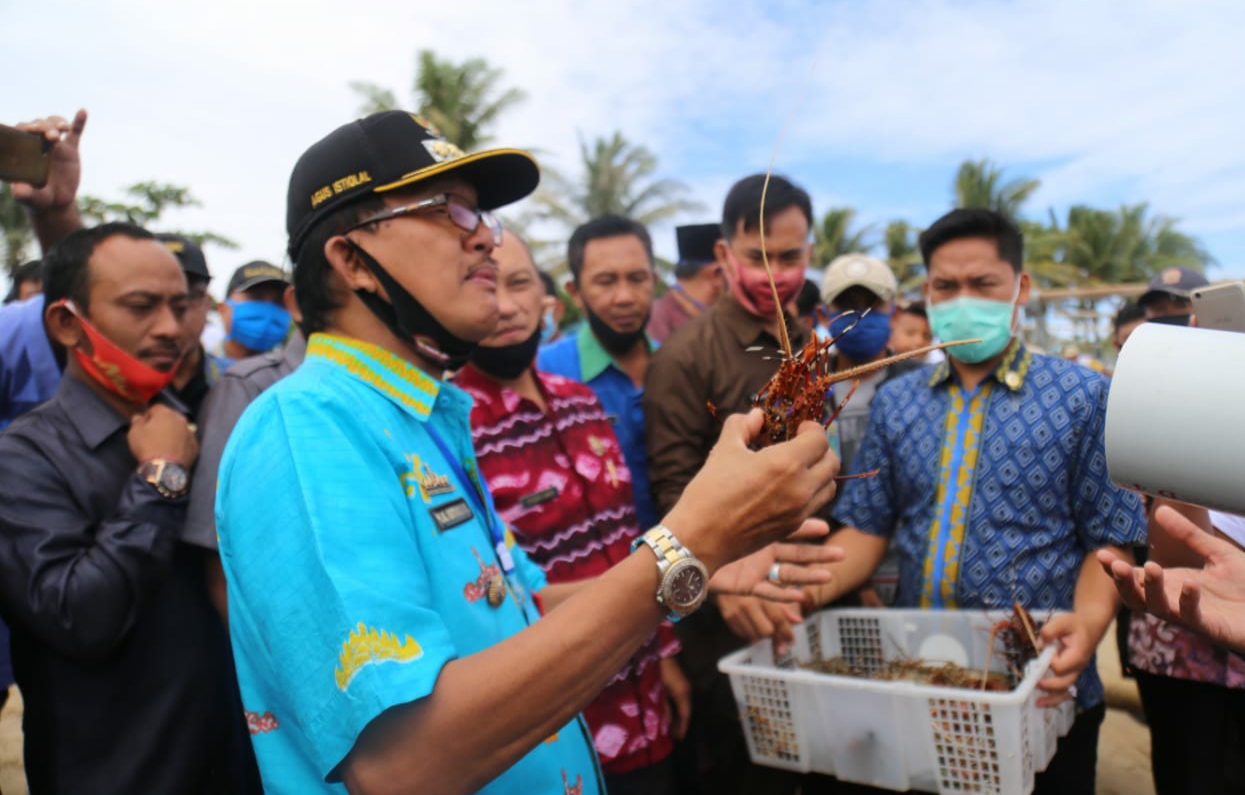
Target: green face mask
x=967, y=318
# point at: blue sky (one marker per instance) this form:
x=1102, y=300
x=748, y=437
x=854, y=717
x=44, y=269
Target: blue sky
x=1106, y=103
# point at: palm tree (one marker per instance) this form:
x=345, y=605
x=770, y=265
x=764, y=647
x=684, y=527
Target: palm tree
x=618, y=179
x=980, y=184
x=899, y=240
x=835, y=237
x=16, y=230
x=462, y=100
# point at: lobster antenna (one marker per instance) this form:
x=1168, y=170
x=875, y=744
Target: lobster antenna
x=783, y=338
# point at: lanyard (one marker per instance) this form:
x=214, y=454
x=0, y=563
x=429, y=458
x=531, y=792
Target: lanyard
x=480, y=498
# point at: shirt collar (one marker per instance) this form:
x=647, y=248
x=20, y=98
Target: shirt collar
x=594, y=359
x=1010, y=371
x=389, y=374
x=88, y=411
x=746, y=327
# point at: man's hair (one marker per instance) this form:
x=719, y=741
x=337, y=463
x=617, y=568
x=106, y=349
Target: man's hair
x=65, y=271
x=1131, y=312
x=914, y=308
x=313, y=286
x=808, y=298
x=743, y=203
x=978, y=222
x=28, y=272
x=551, y=287
x=602, y=227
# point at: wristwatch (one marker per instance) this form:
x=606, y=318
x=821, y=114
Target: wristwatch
x=684, y=579
x=169, y=477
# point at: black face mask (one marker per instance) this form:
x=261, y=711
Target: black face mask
x=408, y=319
x=507, y=361
x=615, y=342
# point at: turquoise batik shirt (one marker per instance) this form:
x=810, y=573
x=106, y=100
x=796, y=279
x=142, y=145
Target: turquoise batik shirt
x=994, y=495
x=358, y=564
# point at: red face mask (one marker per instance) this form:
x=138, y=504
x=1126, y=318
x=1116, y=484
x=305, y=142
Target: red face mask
x=116, y=370
x=751, y=289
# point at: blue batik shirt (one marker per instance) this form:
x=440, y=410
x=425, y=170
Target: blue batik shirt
x=580, y=357
x=358, y=564
x=994, y=495
x=29, y=373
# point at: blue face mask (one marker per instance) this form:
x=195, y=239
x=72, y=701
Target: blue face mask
x=968, y=318
x=258, y=325
x=548, y=326
x=869, y=337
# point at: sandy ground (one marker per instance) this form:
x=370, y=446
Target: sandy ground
x=1123, y=749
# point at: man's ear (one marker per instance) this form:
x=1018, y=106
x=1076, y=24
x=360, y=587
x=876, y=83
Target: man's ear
x=572, y=290
x=724, y=262
x=63, y=327
x=350, y=267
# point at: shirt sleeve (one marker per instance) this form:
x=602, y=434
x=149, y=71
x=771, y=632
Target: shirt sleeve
x=869, y=504
x=1104, y=512
x=76, y=581
x=330, y=588
x=679, y=428
x=219, y=414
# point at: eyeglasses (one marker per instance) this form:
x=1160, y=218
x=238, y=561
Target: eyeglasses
x=463, y=215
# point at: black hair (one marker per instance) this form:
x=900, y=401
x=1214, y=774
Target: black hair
x=1130, y=312
x=916, y=308
x=978, y=222
x=551, y=287
x=808, y=298
x=65, y=272
x=313, y=287
x=26, y=272
x=743, y=203
x=602, y=227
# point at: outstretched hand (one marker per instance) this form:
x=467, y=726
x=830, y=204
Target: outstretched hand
x=749, y=576
x=65, y=171
x=743, y=499
x=1209, y=600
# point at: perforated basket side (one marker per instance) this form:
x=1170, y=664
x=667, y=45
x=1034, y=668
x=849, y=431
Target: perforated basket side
x=966, y=746
x=860, y=642
x=767, y=711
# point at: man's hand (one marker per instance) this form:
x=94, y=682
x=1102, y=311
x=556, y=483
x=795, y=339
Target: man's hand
x=1076, y=649
x=1209, y=600
x=749, y=576
x=743, y=499
x=160, y=432
x=757, y=619
x=65, y=172
x=679, y=691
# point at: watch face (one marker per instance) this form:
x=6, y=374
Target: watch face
x=173, y=478
x=687, y=586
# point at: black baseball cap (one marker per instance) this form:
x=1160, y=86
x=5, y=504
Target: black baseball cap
x=253, y=273
x=1176, y=280
x=696, y=242
x=390, y=150
x=188, y=253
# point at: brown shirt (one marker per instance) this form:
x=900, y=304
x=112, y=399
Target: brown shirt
x=723, y=357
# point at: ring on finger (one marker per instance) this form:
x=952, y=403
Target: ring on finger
x=773, y=573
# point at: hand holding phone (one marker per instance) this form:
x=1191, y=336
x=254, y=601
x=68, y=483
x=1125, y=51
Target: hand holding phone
x=59, y=191
x=24, y=156
x=1220, y=306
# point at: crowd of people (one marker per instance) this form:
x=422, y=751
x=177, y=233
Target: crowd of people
x=401, y=530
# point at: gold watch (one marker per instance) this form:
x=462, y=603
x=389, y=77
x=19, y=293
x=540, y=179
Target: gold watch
x=169, y=477
x=684, y=579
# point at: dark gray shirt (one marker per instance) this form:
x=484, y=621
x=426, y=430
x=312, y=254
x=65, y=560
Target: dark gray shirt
x=228, y=398
x=124, y=665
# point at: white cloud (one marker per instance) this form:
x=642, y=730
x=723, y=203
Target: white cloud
x=1106, y=102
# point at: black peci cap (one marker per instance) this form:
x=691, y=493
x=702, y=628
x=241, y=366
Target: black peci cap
x=696, y=244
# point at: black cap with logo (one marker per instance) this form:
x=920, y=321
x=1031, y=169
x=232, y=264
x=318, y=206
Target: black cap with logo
x=253, y=273
x=390, y=150
x=188, y=253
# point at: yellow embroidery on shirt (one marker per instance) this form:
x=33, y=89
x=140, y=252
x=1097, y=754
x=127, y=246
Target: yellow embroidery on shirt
x=365, y=646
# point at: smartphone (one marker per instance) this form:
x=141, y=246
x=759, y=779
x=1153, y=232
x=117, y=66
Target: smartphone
x=1221, y=306
x=24, y=157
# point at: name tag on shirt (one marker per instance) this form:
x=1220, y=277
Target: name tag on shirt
x=451, y=514
x=540, y=497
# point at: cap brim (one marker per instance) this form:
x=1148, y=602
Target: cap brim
x=500, y=176
x=258, y=280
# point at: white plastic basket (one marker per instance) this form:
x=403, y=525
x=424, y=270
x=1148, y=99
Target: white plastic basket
x=896, y=735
